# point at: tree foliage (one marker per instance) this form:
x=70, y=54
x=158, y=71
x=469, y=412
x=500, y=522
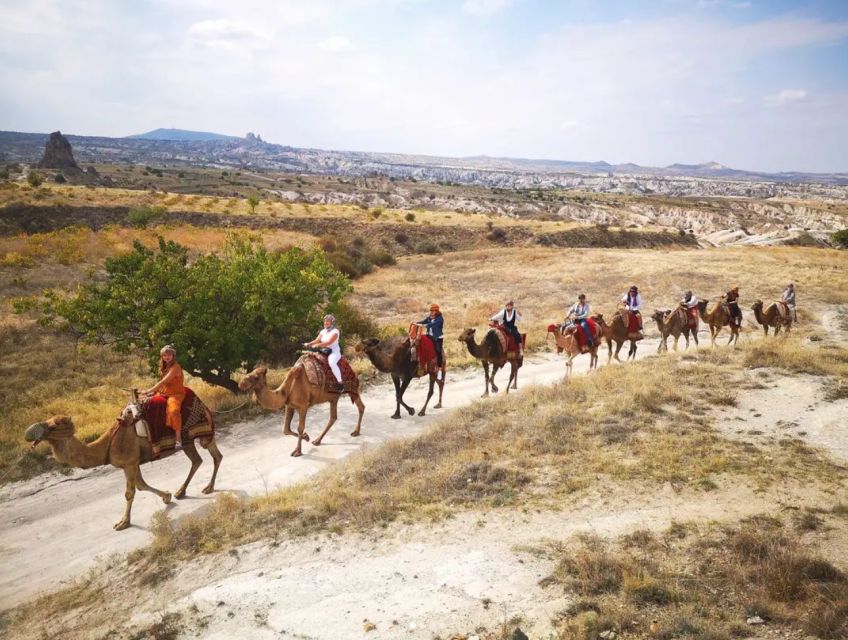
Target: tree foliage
x=841, y=238
x=222, y=312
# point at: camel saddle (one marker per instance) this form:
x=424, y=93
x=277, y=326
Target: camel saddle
x=319, y=374
x=422, y=349
x=508, y=344
x=162, y=438
x=689, y=316
x=582, y=341
x=782, y=309
x=631, y=321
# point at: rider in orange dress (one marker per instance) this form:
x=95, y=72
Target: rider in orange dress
x=171, y=386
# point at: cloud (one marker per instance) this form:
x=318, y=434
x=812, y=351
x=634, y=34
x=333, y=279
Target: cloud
x=485, y=7
x=787, y=96
x=335, y=44
x=226, y=34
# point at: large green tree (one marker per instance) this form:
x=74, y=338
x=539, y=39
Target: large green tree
x=222, y=312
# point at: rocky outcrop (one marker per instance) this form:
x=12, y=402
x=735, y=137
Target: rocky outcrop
x=58, y=154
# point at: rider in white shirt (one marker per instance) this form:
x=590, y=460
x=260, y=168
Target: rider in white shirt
x=508, y=317
x=633, y=301
x=579, y=312
x=328, y=342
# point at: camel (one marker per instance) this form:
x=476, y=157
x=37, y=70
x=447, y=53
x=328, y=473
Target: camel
x=297, y=394
x=392, y=356
x=771, y=316
x=121, y=447
x=716, y=318
x=490, y=352
x=675, y=323
x=568, y=342
x=616, y=332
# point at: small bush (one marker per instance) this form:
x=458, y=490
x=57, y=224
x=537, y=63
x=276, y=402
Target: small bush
x=140, y=217
x=381, y=258
x=35, y=179
x=409, y=217
x=840, y=238
x=496, y=235
x=401, y=238
x=427, y=246
x=59, y=179
x=4, y=173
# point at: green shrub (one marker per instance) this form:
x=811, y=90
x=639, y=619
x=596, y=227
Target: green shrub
x=140, y=217
x=427, y=246
x=381, y=258
x=35, y=179
x=409, y=217
x=841, y=238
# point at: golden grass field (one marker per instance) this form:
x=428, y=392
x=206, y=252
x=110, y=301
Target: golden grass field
x=80, y=196
x=46, y=373
x=470, y=286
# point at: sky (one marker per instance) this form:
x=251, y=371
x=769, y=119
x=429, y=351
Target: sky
x=756, y=84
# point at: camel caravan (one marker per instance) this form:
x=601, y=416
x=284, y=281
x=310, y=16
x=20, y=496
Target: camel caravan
x=169, y=417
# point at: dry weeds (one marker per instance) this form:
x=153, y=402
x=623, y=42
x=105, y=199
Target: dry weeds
x=704, y=584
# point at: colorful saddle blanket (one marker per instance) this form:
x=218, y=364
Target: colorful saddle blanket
x=195, y=424
x=582, y=341
x=319, y=374
x=508, y=343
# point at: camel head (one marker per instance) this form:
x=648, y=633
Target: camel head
x=369, y=344
x=467, y=335
x=757, y=306
x=254, y=380
x=56, y=428
x=659, y=315
x=702, y=306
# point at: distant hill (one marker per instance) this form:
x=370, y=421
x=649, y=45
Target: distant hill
x=182, y=134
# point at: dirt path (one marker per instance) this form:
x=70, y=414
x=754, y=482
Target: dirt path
x=420, y=581
x=36, y=515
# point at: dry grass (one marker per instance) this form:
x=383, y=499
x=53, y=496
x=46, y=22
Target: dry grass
x=702, y=585
x=472, y=285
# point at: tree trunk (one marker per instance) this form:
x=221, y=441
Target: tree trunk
x=219, y=379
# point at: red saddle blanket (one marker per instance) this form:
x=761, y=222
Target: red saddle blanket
x=318, y=373
x=582, y=342
x=508, y=342
x=195, y=423
x=426, y=350
x=692, y=317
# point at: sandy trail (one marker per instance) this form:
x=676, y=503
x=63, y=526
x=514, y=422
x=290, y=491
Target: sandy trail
x=37, y=516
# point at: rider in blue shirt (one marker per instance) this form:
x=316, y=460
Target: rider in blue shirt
x=435, y=324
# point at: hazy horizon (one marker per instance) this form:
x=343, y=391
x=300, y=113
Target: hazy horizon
x=760, y=86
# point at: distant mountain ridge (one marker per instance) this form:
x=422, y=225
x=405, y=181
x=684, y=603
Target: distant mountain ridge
x=199, y=148
x=181, y=135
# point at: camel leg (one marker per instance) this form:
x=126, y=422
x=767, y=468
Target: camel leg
x=191, y=451
x=404, y=383
x=334, y=414
x=396, y=382
x=301, y=429
x=515, y=368
x=289, y=414
x=631, y=354
x=360, y=407
x=609, y=350
x=441, y=384
x=129, y=494
x=618, y=346
x=429, y=394
x=212, y=447
x=568, y=367
x=486, y=376
x=676, y=340
x=143, y=486
x=495, y=369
